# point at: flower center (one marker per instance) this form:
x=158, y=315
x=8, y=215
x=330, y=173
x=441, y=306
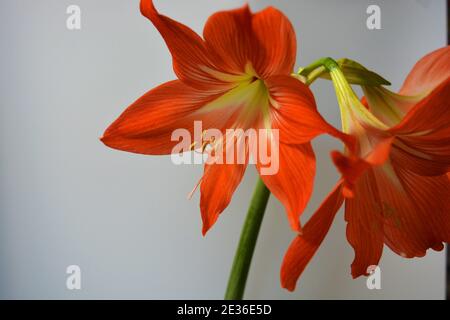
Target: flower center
x=249, y=98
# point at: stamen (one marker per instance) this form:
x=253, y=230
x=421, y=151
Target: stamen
x=192, y=146
x=191, y=194
x=204, y=143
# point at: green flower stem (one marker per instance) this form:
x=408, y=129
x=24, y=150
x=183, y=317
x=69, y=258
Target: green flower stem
x=317, y=68
x=314, y=75
x=247, y=242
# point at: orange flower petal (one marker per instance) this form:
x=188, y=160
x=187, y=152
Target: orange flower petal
x=147, y=125
x=410, y=212
x=430, y=114
x=191, y=61
x=277, y=39
x=265, y=39
x=228, y=35
x=217, y=187
x=364, y=224
x=420, y=214
x=293, y=182
x=428, y=73
x=222, y=177
x=388, y=203
x=352, y=167
x=304, y=246
x=295, y=114
x=424, y=134
x=426, y=155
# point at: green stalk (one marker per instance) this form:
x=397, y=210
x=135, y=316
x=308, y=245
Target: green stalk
x=247, y=242
x=318, y=67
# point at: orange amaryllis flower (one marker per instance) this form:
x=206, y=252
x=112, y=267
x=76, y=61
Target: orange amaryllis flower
x=395, y=184
x=236, y=77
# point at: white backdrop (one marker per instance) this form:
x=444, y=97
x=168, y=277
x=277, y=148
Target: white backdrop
x=123, y=218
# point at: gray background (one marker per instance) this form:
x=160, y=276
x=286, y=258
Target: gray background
x=124, y=218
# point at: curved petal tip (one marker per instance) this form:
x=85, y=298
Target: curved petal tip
x=147, y=8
